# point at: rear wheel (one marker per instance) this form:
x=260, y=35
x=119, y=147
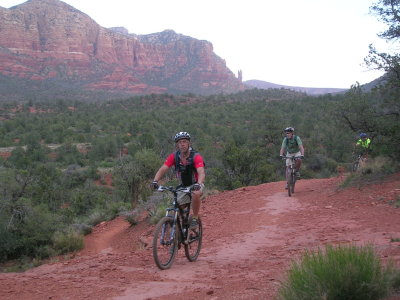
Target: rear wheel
x=164, y=243
x=193, y=241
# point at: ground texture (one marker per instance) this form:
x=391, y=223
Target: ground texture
x=251, y=236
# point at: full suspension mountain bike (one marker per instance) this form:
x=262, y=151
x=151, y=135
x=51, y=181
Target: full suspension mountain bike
x=290, y=174
x=174, y=230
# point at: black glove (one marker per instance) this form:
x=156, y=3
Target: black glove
x=196, y=187
x=282, y=156
x=302, y=156
x=154, y=185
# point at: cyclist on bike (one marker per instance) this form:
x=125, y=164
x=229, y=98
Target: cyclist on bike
x=363, y=144
x=189, y=169
x=293, y=146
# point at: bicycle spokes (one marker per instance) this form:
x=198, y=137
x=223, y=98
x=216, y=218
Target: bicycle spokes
x=193, y=242
x=164, y=243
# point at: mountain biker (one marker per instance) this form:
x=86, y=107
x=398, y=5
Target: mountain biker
x=293, y=146
x=189, y=169
x=363, y=144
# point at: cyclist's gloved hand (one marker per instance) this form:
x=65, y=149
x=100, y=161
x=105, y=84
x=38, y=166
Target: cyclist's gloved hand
x=154, y=185
x=282, y=156
x=196, y=187
x=302, y=156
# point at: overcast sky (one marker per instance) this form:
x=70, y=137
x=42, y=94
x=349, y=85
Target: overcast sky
x=309, y=43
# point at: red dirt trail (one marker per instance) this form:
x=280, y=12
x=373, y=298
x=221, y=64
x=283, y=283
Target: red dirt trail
x=251, y=235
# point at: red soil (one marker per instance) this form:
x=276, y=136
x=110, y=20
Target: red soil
x=251, y=236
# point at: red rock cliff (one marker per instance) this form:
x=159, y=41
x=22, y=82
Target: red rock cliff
x=49, y=39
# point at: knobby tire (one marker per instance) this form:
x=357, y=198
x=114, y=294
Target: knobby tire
x=164, y=245
x=194, y=240
x=356, y=165
x=293, y=182
x=289, y=181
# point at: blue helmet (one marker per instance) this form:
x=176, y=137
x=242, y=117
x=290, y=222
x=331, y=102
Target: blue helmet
x=363, y=135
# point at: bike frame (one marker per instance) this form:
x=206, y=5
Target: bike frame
x=180, y=214
x=174, y=229
x=290, y=173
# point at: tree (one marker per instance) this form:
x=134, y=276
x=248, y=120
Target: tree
x=244, y=166
x=388, y=11
x=131, y=174
x=378, y=113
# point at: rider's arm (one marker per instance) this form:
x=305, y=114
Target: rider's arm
x=160, y=173
x=283, y=147
x=201, y=175
x=199, y=165
x=301, y=149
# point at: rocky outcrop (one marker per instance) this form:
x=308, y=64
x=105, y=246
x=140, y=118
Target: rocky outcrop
x=49, y=40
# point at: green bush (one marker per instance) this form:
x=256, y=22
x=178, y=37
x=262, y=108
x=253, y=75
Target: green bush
x=96, y=217
x=132, y=218
x=64, y=242
x=338, y=273
x=158, y=211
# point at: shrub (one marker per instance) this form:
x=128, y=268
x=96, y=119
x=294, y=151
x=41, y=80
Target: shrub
x=132, y=218
x=338, y=274
x=96, y=217
x=158, y=211
x=64, y=242
x=82, y=228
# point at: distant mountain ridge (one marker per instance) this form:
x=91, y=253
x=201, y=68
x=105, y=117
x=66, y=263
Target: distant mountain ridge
x=308, y=90
x=50, y=43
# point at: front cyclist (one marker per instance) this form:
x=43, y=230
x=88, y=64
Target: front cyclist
x=189, y=168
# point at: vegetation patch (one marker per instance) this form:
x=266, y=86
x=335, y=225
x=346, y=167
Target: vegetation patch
x=339, y=273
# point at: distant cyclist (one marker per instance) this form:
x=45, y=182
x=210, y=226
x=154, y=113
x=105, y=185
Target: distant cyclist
x=293, y=146
x=363, y=144
x=189, y=168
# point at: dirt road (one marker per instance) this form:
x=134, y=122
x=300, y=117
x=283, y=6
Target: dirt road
x=250, y=237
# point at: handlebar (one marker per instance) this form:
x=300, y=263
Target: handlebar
x=291, y=157
x=172, y=189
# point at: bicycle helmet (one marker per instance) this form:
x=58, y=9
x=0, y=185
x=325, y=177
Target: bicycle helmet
x=289, y=129
x=181, y=135
x=363, y=135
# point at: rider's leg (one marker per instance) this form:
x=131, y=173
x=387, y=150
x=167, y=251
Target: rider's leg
x=196, y=201
x=298, y=164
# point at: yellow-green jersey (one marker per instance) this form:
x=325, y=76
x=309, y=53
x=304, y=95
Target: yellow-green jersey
x=364, y=143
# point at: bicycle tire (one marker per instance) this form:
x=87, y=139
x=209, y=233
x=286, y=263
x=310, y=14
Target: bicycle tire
x=293, y=182
x=194, y=241
x=288, y=180
x=356, y=166
x=164, y=246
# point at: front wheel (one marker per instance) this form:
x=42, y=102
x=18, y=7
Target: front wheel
x=293, y=182
x=289, y=181
x=356, y=165
x=165, y=243
x=193, y=241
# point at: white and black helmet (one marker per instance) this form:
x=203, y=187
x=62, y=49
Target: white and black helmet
x=289, y=129
x=182, y=135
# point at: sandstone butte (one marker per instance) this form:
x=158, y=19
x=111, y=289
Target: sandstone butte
x=51, y=41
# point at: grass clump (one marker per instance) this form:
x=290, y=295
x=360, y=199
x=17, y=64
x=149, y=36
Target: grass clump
x=339, y=273
x=158, y=211
x=65, y=242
